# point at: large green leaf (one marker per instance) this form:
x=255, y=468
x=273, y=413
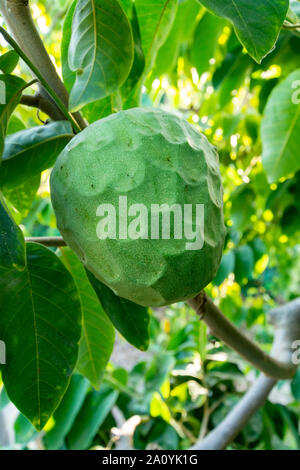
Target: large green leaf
x=182, y=30
x=24, y=430
x=8, y=61
x=295, y=386
x=96, y=407
x=129, y=87
x=257, y=23
x=40, y=325
x=155, y=21
x=226, y=267
x=12, y=245
x=69, y=76
x=22, y=196
x=235, y=78
x=98, y=333
x=205, y=41
x=280, y=129
x=244, y=263
x=66, y=413
x=130, y=319
x=11, y=88
x=100, y=109
x=100, y=50
x=27, y=153
x=91, y=111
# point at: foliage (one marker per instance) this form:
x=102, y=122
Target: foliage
x=235, y=77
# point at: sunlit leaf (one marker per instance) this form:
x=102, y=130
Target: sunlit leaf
x=95, y=408
x=12, y=244
x=98, y=333
x=257, y=23
x=130, y=319
x=100, y=50
x=27, y=153
x=280, y=129
x=8, y=61
x=40, y=325
x=66, y=413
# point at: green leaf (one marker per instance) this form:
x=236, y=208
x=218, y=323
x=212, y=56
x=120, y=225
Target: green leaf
x=40, y=325
x=280, y=129
x=159, y=408
x=22, y=196
x=100, y=50
x=244, y=263
x=66, y=413
x=27, y=153
x=97, y=109
x=98, y=333
x=69, y=76
x=15, y=125
x=181, y=31
x=4, y=400
x=8, y=61
x=257, y=23
x=126, y=5
x=155, y=21
x=96, y=407
x=130, y=319
x=235, y=78
x=205, y=41
x=11, y=88
x=226, y=267
x=24, y=430
x=128, y=89
x=159, y=370
x=295, y=385
x=12, y=245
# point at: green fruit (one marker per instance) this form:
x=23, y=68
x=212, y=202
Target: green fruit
x=150, y=157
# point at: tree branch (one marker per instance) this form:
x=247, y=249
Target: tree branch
x=43, y=104
x=286, y=322
x=235, y=421
x=19, y=20
x=47, y=241
x=235, y=339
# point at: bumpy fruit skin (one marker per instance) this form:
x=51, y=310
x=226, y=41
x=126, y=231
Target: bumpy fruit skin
x=152, y=157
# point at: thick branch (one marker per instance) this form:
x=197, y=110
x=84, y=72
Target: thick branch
x=235, y=421
x=286, y=322
x=47, y=241
x=43, y=104
x=18, y=18
x=223, y=329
